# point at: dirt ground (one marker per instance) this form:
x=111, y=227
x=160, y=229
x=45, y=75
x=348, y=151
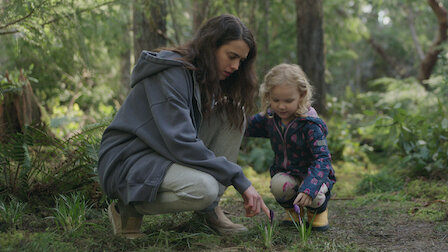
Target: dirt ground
x=385, y=226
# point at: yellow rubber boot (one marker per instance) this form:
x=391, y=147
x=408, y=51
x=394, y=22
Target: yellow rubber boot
x=290, y=212
x=319, y=222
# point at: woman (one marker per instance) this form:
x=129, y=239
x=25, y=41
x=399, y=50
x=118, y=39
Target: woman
x=173, y=144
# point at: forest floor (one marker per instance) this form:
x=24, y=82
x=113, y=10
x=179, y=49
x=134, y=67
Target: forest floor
x=372, y=222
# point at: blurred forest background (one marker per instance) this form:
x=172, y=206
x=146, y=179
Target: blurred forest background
x=380, y=71
x=379, y=68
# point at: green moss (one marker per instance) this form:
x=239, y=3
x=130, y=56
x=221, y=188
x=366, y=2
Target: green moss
x=24, y=241
x=380, y=182
x=429, y=190
x=434, y=212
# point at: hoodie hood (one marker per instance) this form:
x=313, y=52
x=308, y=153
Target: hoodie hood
x=150, y=63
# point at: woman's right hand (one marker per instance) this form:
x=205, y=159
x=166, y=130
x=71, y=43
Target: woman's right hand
x=253, y=203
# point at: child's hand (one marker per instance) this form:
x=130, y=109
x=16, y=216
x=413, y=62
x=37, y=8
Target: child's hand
x=303, y=200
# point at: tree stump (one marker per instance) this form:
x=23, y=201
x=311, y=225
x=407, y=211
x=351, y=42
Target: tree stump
x=19, y=107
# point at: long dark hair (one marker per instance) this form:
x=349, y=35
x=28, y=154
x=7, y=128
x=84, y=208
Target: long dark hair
x=236, y=94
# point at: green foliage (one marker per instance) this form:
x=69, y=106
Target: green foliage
x=258, y=153
x=430, y=197
x=345, y=129
x=416, y=125
x=400, y=118
x=12, y=212
x=12, y=82
x=427, y=190
x=378, y=183
x=36, y=165
x=70, y=211
x=75, y=48
x=378, y=198
x=434, y=212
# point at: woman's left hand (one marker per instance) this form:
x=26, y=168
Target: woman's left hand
x=303, y=200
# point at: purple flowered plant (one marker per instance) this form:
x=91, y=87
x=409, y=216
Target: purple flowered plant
x=304, y=231
x=297, y=210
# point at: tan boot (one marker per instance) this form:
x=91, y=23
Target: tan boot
x=128, y=227
x=217, y=220
x=290, y=212
x=319, y=222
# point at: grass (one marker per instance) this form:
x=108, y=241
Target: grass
x=11, y=213
x=70, y=212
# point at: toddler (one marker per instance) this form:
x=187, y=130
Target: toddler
x=301, y=173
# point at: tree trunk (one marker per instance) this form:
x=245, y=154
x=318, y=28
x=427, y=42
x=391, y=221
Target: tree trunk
x=125, y=56
x=429, y=61
x=149, y=25
x=266, y=10
x=18, y=109
x=200, y=13
x=310, y=47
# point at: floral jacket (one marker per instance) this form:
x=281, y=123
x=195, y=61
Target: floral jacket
x=300, y=149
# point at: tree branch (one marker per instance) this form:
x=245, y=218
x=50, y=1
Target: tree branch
x=78, y=12
x=397, y=68
x=430, y=59
x=20, y=19
x=48, y=22
x=9, y=32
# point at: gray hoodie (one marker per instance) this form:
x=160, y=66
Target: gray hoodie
x=156, y=126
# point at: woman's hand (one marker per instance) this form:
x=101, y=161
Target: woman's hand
x=253, y=203
x=303, y=200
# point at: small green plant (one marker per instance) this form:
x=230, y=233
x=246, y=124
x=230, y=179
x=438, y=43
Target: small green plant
x=303, y=228
x=267, y=230
x=12, y=212
x=70, y=211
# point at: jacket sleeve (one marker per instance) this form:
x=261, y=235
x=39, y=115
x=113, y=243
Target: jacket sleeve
x=257, y=126
x=320, y=166
x=169, y=96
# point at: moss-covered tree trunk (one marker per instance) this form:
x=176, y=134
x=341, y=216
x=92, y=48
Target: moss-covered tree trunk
x=19, y=107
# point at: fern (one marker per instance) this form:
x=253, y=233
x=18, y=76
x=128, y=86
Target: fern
x=37, y=164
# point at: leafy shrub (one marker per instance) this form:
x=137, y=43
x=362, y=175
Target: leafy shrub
x=258, y=153
x=400, y=118
x=420, y=134
x=345, y=139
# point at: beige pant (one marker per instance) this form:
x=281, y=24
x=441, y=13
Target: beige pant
x=187, y=189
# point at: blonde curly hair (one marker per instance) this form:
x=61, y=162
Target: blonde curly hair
x=287, y=74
